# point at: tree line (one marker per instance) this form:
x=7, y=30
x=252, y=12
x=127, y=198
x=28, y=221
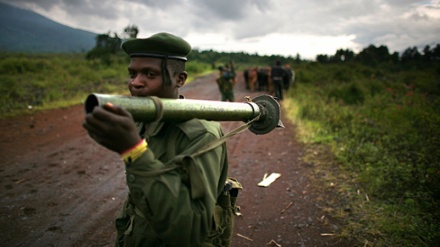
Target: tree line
x=373, y=55
x=108, y=45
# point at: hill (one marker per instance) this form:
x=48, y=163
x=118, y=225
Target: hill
x=26, y=31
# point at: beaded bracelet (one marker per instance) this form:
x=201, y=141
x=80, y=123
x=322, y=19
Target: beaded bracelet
x=134, y=152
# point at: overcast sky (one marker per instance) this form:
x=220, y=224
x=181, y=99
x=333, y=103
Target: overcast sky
x=266, y=27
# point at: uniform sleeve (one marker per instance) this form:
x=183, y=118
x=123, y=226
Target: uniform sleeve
x=166, y=200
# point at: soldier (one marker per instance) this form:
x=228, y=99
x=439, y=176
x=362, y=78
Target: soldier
x=173, y=195
x=277, y=74
x=246, y=78
x=262, y=79
x=289, y=77
x=226, y=83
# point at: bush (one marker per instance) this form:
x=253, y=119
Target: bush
x=384, y=132
x=348, y=94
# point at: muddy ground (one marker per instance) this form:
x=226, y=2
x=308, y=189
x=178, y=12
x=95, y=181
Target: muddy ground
x=59, y=188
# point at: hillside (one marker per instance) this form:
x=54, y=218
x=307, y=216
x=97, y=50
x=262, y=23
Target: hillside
x=26, y=31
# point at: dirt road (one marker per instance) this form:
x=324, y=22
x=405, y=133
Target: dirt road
x=59, y=188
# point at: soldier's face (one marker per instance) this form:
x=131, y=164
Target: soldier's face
x=146, y=78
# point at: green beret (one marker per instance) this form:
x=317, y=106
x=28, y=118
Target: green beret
x=158, y=45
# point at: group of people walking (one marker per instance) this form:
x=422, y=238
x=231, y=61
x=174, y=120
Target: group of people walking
x=274, y=79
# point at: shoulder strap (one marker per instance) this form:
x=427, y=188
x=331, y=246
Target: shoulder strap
x=217, y=142
x=186, y=161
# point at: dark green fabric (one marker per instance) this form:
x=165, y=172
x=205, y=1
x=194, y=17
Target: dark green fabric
x=224, y=222
x=161, y=209
x=226, y=87
x=228, y=96
x=158, y=45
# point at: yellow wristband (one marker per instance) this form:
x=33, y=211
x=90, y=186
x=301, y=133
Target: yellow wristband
x=135, y=152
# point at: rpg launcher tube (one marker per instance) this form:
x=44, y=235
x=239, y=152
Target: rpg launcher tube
x=146, y=109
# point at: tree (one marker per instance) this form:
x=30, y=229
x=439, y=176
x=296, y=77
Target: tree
x=436, y=53
x=427, y=53
x=433, y=54
x=131, y=31
x=411, y=54
x=322, y=58
x=342, y=56
x=297, y=58
x=373, y=55
x=106, y=45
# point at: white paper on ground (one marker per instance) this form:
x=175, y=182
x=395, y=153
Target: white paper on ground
x=268, y=180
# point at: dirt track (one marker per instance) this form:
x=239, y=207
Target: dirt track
x=59, y=188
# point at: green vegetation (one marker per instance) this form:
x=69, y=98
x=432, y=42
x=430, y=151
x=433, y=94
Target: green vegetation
x=371, y=122
x=48, y=80
x=44, y=81
x=374, y=137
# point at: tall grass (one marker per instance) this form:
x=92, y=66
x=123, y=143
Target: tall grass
x=383, y=130
x=42, y=81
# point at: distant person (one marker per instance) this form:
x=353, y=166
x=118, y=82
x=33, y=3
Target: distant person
x=174, y=197
x=288, y=77
x=231, y=68
x=262, y=79
x=226, y=84
x=246, y=78
x=277, y=74
x=252, y=78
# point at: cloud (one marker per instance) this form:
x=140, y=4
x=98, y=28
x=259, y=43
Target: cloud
x=307, y=46
x=265, y=26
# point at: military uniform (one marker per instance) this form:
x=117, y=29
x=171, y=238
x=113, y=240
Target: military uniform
x=277, y=74
x=175, y=207
x=174, y=195
x=226, y=84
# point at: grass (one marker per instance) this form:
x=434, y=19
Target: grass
x=372, y=134
x=374, y=145
x=45, y=81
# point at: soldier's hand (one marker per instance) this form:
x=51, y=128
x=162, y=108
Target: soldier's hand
x=112, y=127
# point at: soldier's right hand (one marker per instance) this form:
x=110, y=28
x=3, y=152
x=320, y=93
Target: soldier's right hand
x=113, y=127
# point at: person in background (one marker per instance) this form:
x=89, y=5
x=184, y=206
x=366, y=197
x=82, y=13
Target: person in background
x=226, y=83
x=277, y=75
x=246, y=78
x=173, y=195
x=288, y=77
x=262, y=78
